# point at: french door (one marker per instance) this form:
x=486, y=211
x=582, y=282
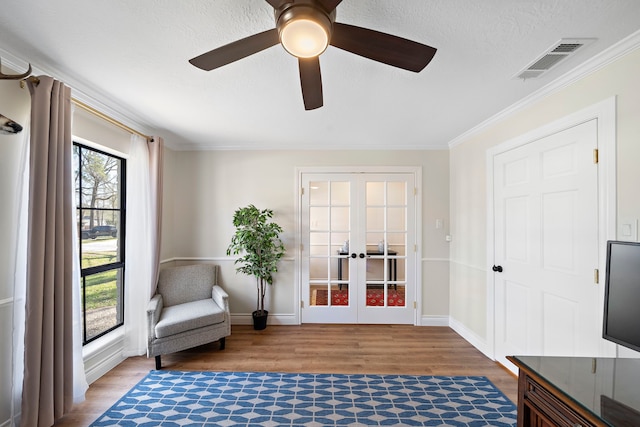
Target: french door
x=358, y=240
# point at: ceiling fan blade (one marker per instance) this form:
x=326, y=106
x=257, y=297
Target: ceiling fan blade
x=391, y=50
x=274, y=3
x=311, y=82
x=237, y=50
x=329, y=5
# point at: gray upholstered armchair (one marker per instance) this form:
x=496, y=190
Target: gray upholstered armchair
x=189, y=309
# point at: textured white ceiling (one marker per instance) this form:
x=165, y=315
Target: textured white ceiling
x=132, y=56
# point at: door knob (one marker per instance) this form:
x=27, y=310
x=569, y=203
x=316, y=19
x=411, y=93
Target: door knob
x=353, y=255
x=362, y=255
x=497, y=268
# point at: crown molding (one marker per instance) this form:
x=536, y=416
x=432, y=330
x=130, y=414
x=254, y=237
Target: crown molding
x=604, y=58
x=81, y=92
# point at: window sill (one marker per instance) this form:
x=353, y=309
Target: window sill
x=97, y=346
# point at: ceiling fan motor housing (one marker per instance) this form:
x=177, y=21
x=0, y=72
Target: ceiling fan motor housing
x=294, y=12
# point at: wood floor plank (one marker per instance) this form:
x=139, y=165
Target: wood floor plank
x=340, y=349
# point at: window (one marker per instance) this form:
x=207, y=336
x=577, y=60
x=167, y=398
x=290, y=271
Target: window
x=100, y=203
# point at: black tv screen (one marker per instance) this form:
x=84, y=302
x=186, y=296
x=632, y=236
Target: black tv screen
x=622, y=294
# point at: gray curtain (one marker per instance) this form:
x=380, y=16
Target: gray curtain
x=48, y=352
x=156, y=150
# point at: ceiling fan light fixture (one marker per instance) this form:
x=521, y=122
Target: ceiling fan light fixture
x=304, y=31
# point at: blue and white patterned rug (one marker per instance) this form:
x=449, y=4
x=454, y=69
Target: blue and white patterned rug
x=174, y=398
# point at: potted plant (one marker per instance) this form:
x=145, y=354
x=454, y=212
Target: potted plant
x=257, y=239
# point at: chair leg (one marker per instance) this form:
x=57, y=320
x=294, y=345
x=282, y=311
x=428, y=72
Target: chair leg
x=222, y=343
x=158, y=363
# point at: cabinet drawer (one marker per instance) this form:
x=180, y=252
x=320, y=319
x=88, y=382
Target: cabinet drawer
x=550, y=407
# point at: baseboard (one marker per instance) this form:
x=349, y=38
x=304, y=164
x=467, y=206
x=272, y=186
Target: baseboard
x=434, y=321
x=274, y=319
x=470, y=336
x=8, y=422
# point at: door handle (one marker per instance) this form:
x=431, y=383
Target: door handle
x=353, y=255
x=497, y=268
x=362, y=255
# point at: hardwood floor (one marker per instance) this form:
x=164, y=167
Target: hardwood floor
x=349, y=349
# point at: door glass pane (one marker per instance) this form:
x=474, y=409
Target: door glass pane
x=318, y=269
x=396, y=219
x=340, y=266
x=340, y=194
x=318, y=218
x=396, y=193
x=377, y=269
x=375, y=218
x=340, y=243
x=375, y=295
x=340, y=219
x=318, y=193
x=396, y=244
x=375, y=193
x=396, y=296
x=375, y=243
x=340, y=295
x=319, y=243
x=399, y=274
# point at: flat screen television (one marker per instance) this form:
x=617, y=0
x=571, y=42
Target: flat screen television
x=622, y=294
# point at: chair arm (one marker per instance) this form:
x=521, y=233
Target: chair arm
x=154, y=308
x=220, y=297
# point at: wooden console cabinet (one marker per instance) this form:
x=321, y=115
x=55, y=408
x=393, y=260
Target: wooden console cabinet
x=577, y=392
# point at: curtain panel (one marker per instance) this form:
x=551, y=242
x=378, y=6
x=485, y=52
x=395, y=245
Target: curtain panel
x=48, y=384
x=144, y=222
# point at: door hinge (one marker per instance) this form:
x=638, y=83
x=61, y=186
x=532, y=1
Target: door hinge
x=302, y=191
x=415, y=191
x=595, y=156
x=415, y=305
x=596, y=276
x=415, y=248
x=301, y=247
x=301, y=304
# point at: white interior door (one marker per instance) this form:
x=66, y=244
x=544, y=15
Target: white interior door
x=546, y=243
x=358, y=257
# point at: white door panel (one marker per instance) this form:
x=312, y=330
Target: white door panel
x=546, y=240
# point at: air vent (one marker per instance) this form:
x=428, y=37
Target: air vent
x=552, y=56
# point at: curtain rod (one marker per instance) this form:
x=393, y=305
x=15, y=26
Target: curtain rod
x=95, y=112
x=109, y=119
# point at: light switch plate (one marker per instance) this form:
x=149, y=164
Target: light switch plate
x=628, y=230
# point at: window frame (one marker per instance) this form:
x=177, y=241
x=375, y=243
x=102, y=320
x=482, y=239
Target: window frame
x=113, y=266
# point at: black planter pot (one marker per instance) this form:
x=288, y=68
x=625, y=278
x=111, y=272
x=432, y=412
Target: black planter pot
x=260, y=320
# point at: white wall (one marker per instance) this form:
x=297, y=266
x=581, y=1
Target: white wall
x=99, y=132
x=203, y=189
x=14, y=103
x=468, y=176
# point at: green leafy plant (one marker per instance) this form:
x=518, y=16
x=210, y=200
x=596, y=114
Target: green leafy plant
x=258, y=240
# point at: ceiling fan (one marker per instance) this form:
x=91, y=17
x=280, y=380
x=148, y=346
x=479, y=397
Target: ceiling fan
x=305, y=28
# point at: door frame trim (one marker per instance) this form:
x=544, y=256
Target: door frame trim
x=605, y=114
x=417, y=173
